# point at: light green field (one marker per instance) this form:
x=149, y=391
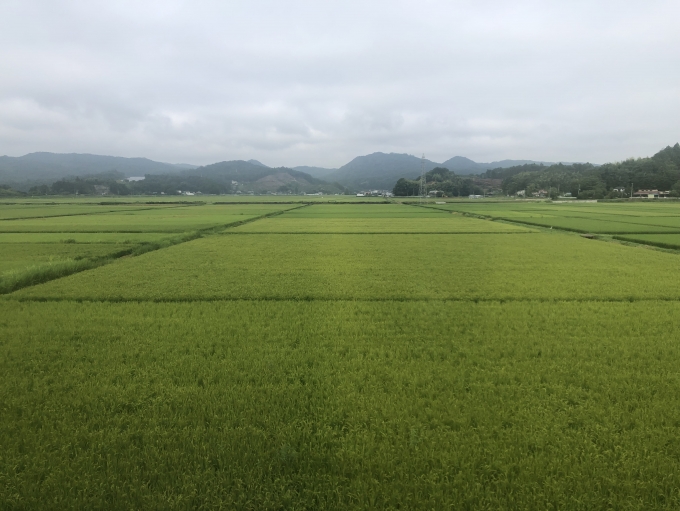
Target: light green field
x=601, y=226
x=378, y=218
x=9, y=212
x=442, y=224
x=183, y=199
x=18, y=256
x=545, y=266
x=327, y=211
x=387, y=218
x=312, y=360
x=608, y=218
x=178, y=219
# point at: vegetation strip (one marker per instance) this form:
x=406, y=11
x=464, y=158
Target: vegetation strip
x=575, y=229
x=52, y=271
x=672, y=248
x=377, y=232
x=87, y=213
x=658, y=244
x=303, y=299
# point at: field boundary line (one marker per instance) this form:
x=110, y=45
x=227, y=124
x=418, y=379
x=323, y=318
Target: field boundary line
x=303, y=202
x=91, y=213
x=306, y=299
x=554, y=227
x=585, y=231
x=392, y=233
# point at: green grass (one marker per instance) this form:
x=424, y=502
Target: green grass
x=342, y=405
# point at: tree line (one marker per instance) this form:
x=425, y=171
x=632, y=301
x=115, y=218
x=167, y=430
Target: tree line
x=588, y=181
x=442, y=180
x=113, y=183
x=582, y=180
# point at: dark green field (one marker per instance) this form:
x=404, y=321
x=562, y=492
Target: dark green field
x=339, y=356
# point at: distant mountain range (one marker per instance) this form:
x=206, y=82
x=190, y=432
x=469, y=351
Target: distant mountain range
x=381, y=170
x=373, y=171
x=247, y=176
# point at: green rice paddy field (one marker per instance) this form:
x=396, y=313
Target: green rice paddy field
x=339, y=356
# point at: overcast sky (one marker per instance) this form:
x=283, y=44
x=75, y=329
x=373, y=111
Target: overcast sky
x=319, y=82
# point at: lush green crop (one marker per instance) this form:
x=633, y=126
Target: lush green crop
x=329, y=211
x=265, y=367
x=176, y=219
x=340, y=405
x=600, y=226
x=19, y=256
x=17, y=211
x=380, y=218
x=545, y=266
x=671, y=241
x=595, y=218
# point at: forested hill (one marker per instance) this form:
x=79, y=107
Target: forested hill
x=49, y=167
x=234, y=177
x=245, y=171
x=379, y=170
x=382, y=170
x=246, y=176
x=587, y=181
x=462, y=165
x=225, y=177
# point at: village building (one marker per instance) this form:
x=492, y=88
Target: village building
x=652, y=194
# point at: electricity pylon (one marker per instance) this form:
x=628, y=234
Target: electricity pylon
x=423, y=183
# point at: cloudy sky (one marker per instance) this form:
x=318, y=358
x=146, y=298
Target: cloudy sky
x=301, y=82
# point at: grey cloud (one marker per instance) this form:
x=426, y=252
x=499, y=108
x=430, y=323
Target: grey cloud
x=317, y=83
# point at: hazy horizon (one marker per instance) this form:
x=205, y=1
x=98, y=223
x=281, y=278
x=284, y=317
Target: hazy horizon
x=317, y=84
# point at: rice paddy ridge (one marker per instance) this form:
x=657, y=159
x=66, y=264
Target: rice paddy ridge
x=374, y=232
x=328, y=299
x=600, y=236
x=87, y=213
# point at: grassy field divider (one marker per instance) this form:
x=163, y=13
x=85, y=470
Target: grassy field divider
x=38, y=274
x=346, y=299
x=392, y=233
x=657, y=244
x=302, y=202
x=86, y=213
x=452, y=211
x=42, y=273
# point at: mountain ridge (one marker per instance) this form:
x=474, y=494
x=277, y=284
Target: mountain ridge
x=377, y=170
